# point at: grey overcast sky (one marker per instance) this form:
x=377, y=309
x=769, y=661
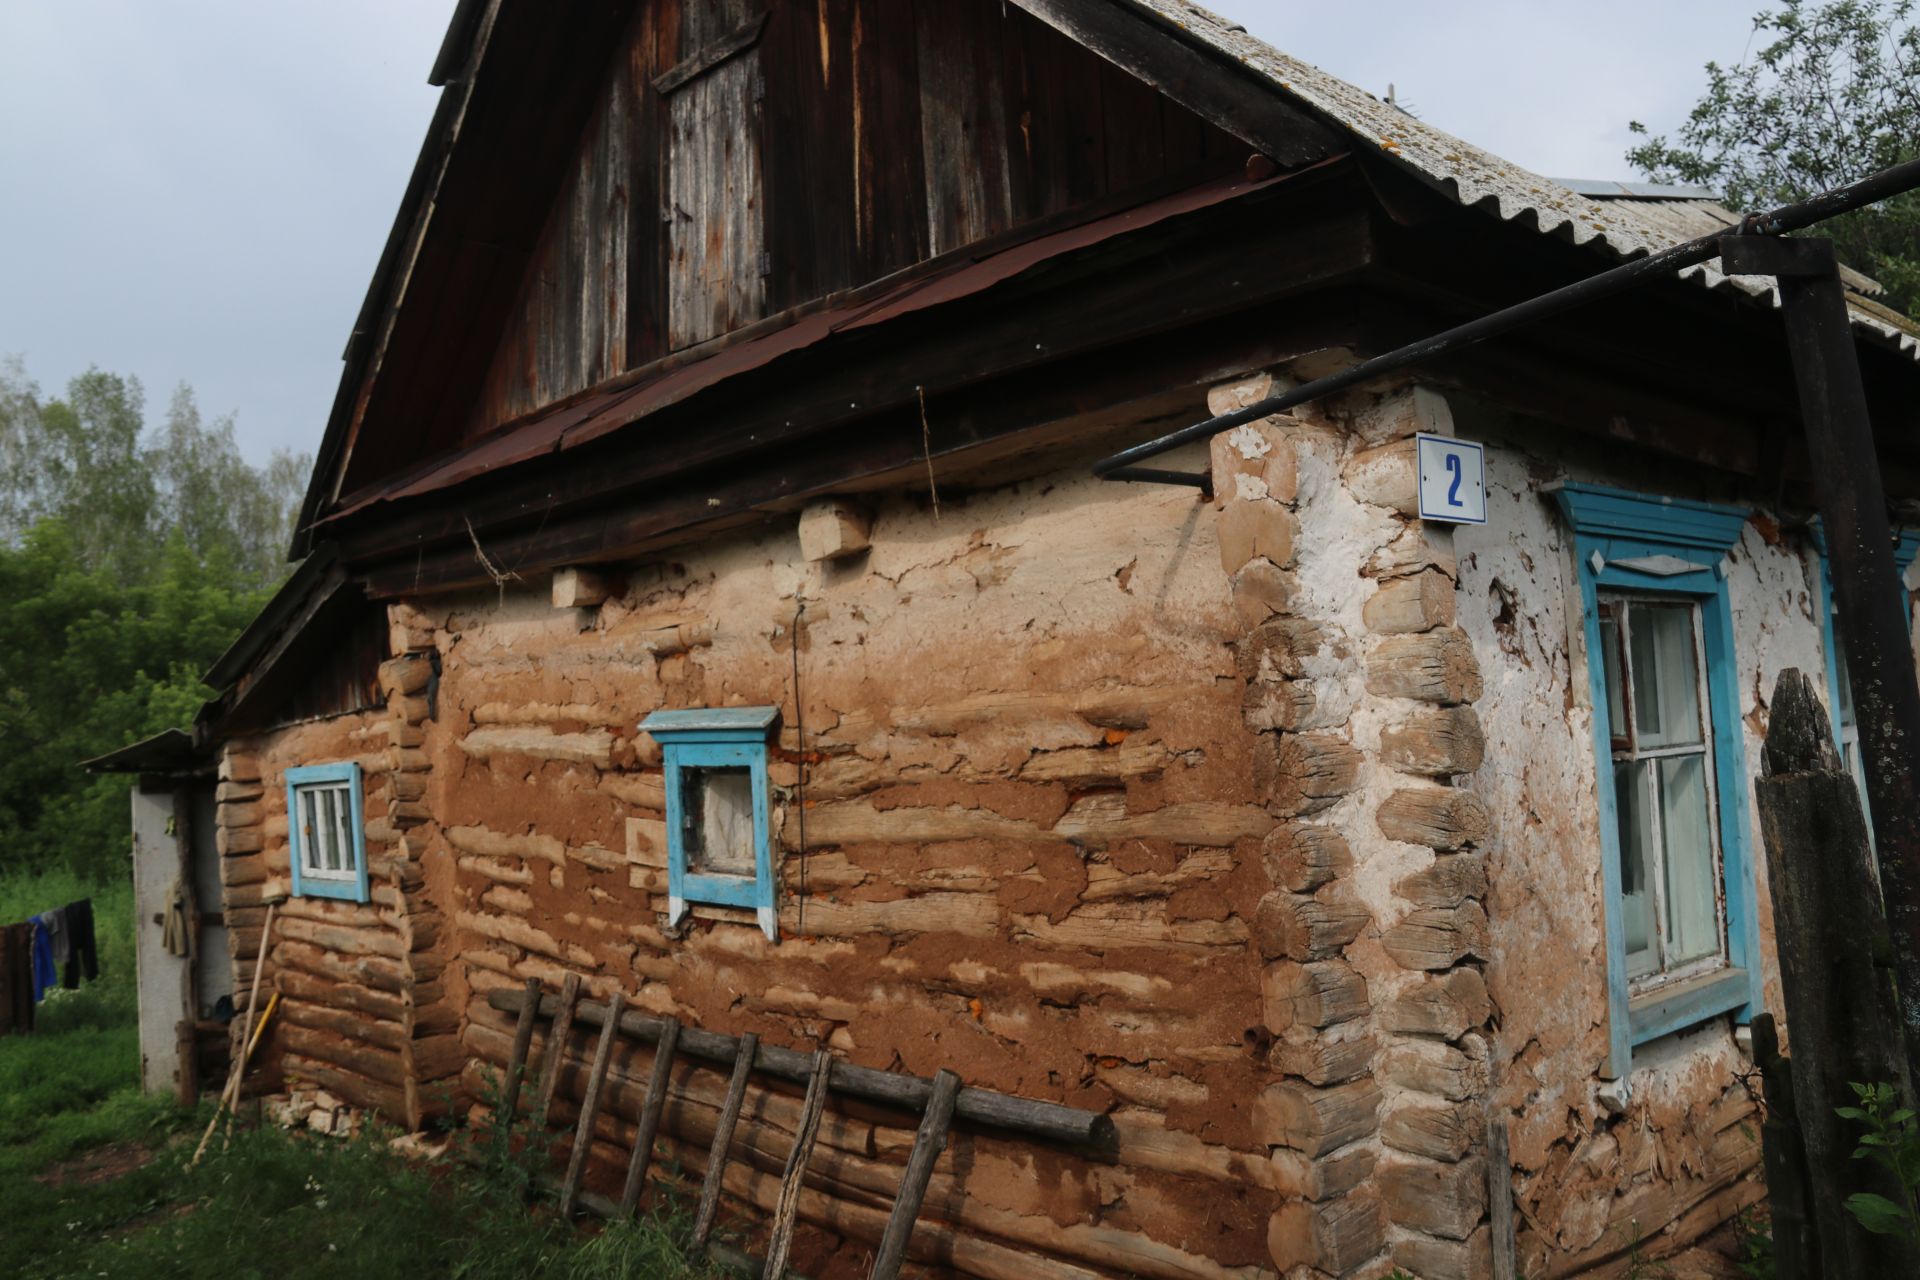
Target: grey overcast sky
x=198, y=190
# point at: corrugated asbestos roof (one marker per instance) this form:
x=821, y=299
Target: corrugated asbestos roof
x=1479, y=179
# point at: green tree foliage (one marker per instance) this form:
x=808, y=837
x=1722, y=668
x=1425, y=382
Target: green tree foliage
x=129, y=560
x=1832, y=94
x=123, y=490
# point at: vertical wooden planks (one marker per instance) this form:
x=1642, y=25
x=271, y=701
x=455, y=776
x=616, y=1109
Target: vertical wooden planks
x=808, y=150
x=650, y=1117
x=928, y=1143
x=889, y=198
x=522, y=1041
x=962, y=126
x=723, y=1138
x=716, y=228
x=556, y=1047
x=1133, y=129
x=787, y=1209
x=655, y=45
x=590, y=1106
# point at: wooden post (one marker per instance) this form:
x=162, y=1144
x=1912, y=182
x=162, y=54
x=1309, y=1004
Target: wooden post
x=928, y=1143
x=650, y=1118
x=1796, y=1244
x=1828, y=926
x=1500, y=1199
x=556, y=1048
x=1869, y=601
x=590, y=1107
x=522, y=1041
x=787, y=1209
x=723, y=1138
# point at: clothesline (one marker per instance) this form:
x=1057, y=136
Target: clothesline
x=53, y=949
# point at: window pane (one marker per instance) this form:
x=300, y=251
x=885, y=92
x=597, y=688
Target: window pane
x=1666, y=679
x=1693, y=909
x=309, y=830
x=342, y=830
x=718, y=807
x=1617, y=727
x=1636, y=839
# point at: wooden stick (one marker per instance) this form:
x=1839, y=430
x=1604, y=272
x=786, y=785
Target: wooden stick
x=723, y=1137
x=1087, y=1130
x=590, y=1107
x=780, y=1241
x=246, y=1037
x=556, y=1048
x=928, y=1143
x=650, y=1118
x=522, y=1041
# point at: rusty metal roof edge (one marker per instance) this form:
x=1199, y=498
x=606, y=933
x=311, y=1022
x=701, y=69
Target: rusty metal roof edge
x=590, y=417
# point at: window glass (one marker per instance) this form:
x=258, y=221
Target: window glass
x=1672, y=909
x=326, y=831
x=1693, y=912
x=1636, y=835
x=717, y=809
x=1666, y=684
x=1617, y=726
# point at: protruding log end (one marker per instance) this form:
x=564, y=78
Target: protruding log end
x=1799, y=739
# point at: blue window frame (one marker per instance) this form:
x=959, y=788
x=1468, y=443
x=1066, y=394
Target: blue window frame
x=326, y=832
x=1846, y=733
x=1638, y=551
x=719, y=836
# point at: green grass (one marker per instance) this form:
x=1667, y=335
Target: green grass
x=268, y=1205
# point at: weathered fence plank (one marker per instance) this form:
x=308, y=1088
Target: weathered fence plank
x=1831, y=936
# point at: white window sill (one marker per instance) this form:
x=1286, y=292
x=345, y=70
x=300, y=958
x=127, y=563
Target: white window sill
x=1680, y=1005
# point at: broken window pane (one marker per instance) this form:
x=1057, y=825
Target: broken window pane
x=717, y=812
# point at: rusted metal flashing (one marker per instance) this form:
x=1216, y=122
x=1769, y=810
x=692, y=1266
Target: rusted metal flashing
x=627, y=400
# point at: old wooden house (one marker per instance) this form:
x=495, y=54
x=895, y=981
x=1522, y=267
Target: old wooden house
x=705, y=594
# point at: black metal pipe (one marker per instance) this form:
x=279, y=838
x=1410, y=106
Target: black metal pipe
x=1854, y=195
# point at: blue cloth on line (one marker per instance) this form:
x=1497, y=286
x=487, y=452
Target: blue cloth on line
x=44, y=974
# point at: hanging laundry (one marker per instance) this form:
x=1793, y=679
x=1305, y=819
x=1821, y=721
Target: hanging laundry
x=44, y=975
x=58, y=937
x=16, y=979
x=175, y=935
x=83, y=955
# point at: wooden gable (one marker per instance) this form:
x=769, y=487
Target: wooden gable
x=744, y=158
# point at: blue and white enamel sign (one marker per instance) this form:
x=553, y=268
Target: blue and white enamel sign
x=1453, y=479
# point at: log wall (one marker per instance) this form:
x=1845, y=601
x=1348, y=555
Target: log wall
x=1266, y=824
x=364, y=1006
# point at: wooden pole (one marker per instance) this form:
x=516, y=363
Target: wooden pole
x=1050, y=1121
x=232, y=1091
x=723, y=1138
x=1500, y=1199
x=1827, y=928
x=787, y=1210
x=1868, y=597
x=928, y=1143
x=522, y=1042
x=650, y=1119
x=590, y=1107
x=556, y=1048
x=1796, y=1244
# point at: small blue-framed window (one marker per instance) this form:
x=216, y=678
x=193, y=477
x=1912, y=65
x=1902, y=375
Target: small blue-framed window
x=1677, y=857
x=326, y=832
x=1846, y=729
x=719, y=835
